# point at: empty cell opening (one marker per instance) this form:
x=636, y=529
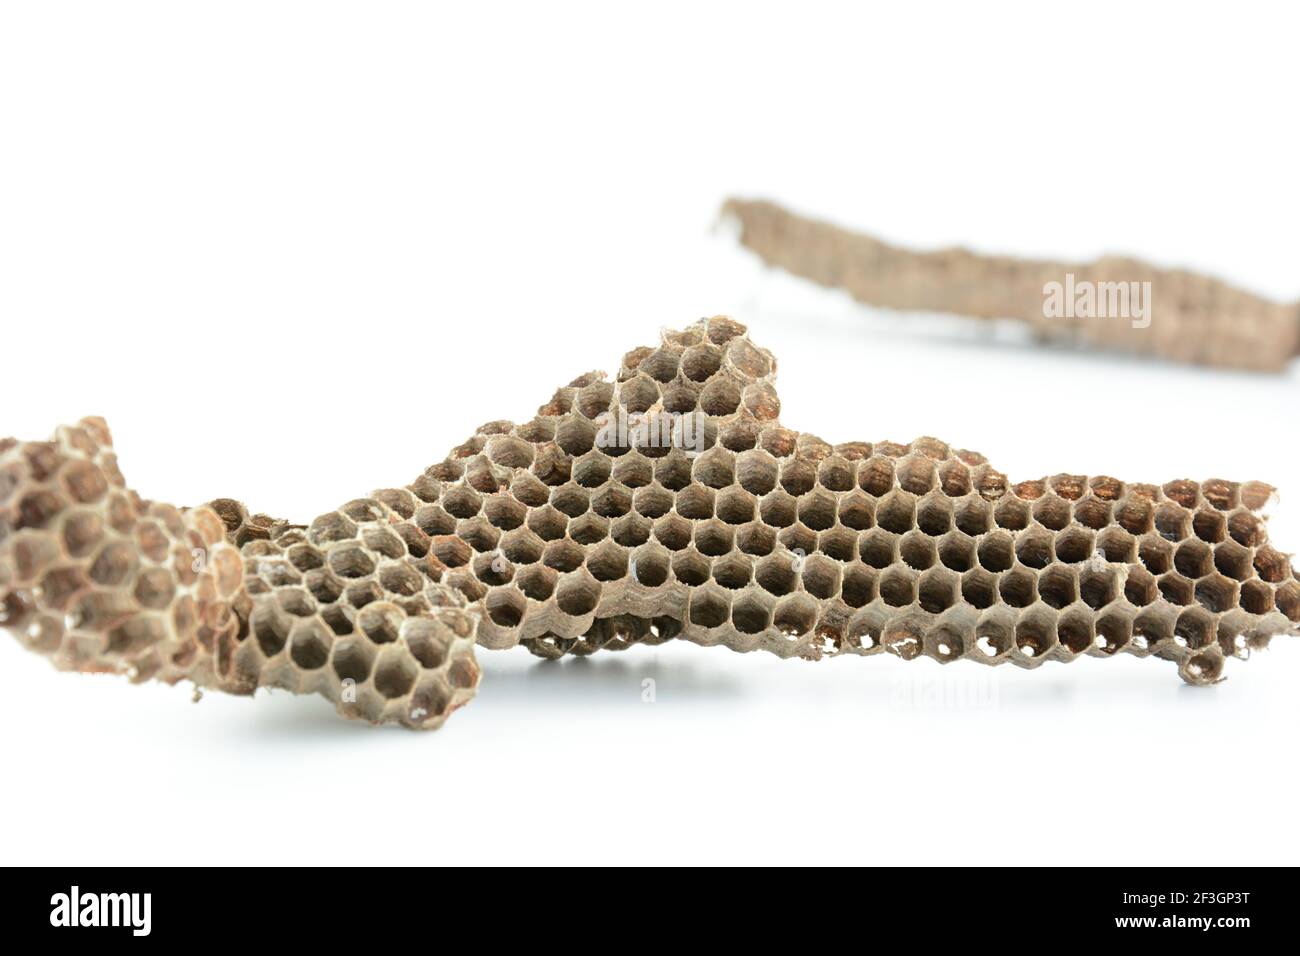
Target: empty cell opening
x=1176, y=590
x=384, y=541
x=1193, y=559
x=876, y=476
x=947, y=644
x=821, y=578
x=798, y=477
x=795, y=616
x=778, y=510
x=1075, y=546
x=309, y=650
x=1209, y=526
x=1092, y=513
x=838, y=543
x=607, y=563
x=1272, y=565
x=979, y=589
x=1156, y=555
x=954, y=479
x=1117, y=545
x=352, y=661
x=993, y=638
x=613, y=501
x=1136, y=516
x=751, y=615
x=548, y=523
x=416, y=541
x=631, y=530
x=1011, y=513
x=638, y=394
x=933, y=515
x=857, y=512
x=461, y=502
x=714, y=538
x=757, y=539
x=1256, y=597
x=716, y=468
x=695, y=503
x=917, y=551
x=505, y=513
x=652, y=502
x=1140, y=587
x=777, y=575
x=996, y=552
x=798, y=539
x=537, y=583
x=1288, y=600
x=478, y=534
x=858, y=587
x=897, y=513
x=720, y=397
x=1194, y=630
x=381, y=622
x=974, y=516
x=1113, y=633
x=1221, y=494
x=756, y=472
x=592, y=470
x=817, y=511
x=878, y=547
x=1172, y=522
x=570, y=500
x=401, y=579
x=634, y=471
x=1098, y=588
x=351, y=561
x=1232, y=560
x=673, y=472
x=563, y=556
x=1057, y=587
x=700, y=362
x=1034, y=637
x=1034, y=548
x=577, y=596
x=673, y=533
x=1150, y=628
x=732, y=572
x=897, y=587
x=691, y=568
x=271, y=630
x=336, y=618
x=1074, y=633
x=1183, y=491
x=938, y=591
x=650, y=567
x=324, y=587
x=1017, y=588
x=957, y=552
x=1216, y=593
x=1246, y=529
x=835, y=474
x=1052, y=512
x=916, y=474
x=736, y=506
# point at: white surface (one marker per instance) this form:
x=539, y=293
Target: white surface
x=250, y=233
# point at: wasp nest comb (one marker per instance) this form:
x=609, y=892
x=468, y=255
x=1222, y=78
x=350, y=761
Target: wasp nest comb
x=668, y=503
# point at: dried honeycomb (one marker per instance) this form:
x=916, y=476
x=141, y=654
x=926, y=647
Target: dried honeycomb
x=667, y=503
x=1194, y=318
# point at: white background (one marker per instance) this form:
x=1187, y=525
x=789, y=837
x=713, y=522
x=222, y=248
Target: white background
x=295, y=252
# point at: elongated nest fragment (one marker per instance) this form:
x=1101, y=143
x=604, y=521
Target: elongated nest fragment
x=666, y=503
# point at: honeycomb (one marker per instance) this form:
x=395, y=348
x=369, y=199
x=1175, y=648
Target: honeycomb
x=100, y=580
x=1193, y=318
x=667, y=503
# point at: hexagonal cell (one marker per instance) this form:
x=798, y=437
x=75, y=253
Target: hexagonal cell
x=709, y=608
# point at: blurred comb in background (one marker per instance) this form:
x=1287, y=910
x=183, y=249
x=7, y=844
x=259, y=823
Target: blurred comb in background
x=1112, y=303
